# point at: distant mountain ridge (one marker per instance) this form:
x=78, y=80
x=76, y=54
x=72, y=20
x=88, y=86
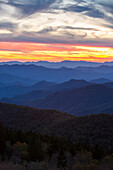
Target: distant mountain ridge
x=77, y=97
x=14, y=90
x=73, y=83
x=7, y=78
x=25, y=94
x=68, y=64
x=100, y=81
x=79, y=100
x=58, y=75
x=66, y=89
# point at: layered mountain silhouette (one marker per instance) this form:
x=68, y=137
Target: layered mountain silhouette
x=43, y=85
x=110, y=84
x=7, y=78
x=59, y=75
x=14, y=90
x=22, y=94
x=100, y=81
x=66, y=63
x=71, y=84
x=77, y=97
x=26, y=98
x=79, y=100
x=78, y=91
x=75, y=104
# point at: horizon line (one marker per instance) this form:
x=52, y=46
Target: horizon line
x=55, y=61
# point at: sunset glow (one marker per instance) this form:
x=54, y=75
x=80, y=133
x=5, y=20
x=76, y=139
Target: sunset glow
x=53, y=52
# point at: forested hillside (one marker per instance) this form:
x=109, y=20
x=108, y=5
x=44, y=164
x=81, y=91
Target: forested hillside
x=94, y=129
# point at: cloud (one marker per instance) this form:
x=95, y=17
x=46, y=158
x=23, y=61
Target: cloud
x=8, y=25
x=94, y=9
x=57, y=21
x=47, y=30
x=28, y=7
x=107, y=5
x=77, y=8
x=95, y=13
x=65, y=38
x=78, y=28
x=53, y=29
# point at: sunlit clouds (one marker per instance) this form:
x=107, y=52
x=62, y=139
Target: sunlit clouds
x=36, y=30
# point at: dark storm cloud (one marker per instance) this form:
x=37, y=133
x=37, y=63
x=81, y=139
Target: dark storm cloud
x=90, y=11
x=108, y=26
x=93, y=9
x=89, y=8
x=28, y=6
x=47, y=30
x=8, y=25
x=52, y=29
x=77, y=8
x=108, y=6
x=78, y=28
x=104, y=42
x=95, y=13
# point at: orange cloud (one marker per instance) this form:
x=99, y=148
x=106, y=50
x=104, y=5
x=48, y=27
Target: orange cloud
x=10, y=51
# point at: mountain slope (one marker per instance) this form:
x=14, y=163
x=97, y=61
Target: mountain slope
x=14, y=90
x=28, y=118
x=103, y=108
x=73, y=83
x=62, y=74
x=10, y=79
x=100, y=81
x=26, y=98
x=110, y=84
x=95, y=129
x=76, y=100
x=2, y=84
x=46, y=87
x=43, y=85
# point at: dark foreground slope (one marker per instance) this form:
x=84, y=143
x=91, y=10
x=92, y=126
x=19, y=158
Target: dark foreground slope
x=28, y=118
x=95, y=129
x=31, y=151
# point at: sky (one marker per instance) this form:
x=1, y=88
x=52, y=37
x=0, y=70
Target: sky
x=56, y=30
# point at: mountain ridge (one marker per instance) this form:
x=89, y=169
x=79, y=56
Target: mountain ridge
x=77, y=100
x=66, y=63
x=39, y=73
x=52, y=122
